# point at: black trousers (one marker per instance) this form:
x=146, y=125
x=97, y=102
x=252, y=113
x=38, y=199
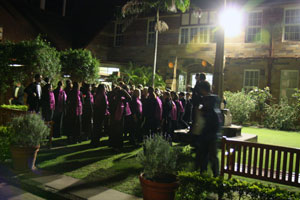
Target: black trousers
x=207, y=152
x=57, y=126
x=116, y=133
x=97, y=127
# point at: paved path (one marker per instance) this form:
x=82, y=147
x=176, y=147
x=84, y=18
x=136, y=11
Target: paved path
x=9, y=192
x=64, y=187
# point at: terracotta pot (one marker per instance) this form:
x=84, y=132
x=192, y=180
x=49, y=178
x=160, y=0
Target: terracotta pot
x=158, y=191
x=24, y=157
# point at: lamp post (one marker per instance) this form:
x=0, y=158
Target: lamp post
x=230, y=23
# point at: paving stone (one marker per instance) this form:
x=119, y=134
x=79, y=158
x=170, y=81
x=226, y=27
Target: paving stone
x=9, y=192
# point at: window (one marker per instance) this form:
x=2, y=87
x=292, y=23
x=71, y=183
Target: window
x=151, y=32
x=292, y=24
x=185, y=19
x=251, y=78
x=197, y=34
x=254, y=26
x=1, y=34
x=119, y=36
x=288, y=82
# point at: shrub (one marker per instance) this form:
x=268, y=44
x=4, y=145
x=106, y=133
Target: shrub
x=241, y=105
x=159, y=158
x=282, y=116
x=194, y=186
x=261, y=97
x=4, y=143
x=28, y=130
x=80, y=65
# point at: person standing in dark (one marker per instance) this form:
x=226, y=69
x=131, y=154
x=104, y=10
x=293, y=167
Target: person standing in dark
x=181, y=124
x=207, y=140
x=167, y=109
x=187, y=117
x=137, y=111
x=87, y=113
x=18, y=94
x=60, y=107
x=47, y=103
x=100, y=113
x=66, y=118
x=34, y=93
x=75, y=111
x=153, y=112
x=119, y=97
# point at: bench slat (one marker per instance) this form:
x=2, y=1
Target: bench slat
x=244, y=158
x=249, y=160
x=255, y=160
x=261, y=156
x=272, y=163
x=284, y=166
x=278, y=165
x=266, y=172
x=291, y=166
x=239, y=158
x=297, y=168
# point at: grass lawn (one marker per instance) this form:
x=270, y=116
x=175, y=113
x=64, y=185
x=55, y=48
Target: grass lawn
x=103, y=166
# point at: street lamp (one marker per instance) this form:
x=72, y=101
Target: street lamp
x=230, y=24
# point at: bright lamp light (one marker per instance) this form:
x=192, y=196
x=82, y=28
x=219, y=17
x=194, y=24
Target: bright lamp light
x=231, y=20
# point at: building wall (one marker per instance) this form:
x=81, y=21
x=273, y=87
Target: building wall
x=240, y=55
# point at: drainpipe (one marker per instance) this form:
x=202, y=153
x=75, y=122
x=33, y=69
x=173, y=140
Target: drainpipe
x=64, y=8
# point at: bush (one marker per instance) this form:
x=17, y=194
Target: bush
x=4, y=144
x=282, y=116
x=241, y=105
x=261, y=98
x=194, y=186
x=80, y=65
x=28, y=130
x=159, y=158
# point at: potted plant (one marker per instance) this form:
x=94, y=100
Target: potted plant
x=27, y=133
x=159, y=159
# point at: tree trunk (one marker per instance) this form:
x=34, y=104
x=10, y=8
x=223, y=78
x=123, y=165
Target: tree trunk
x=155, y=49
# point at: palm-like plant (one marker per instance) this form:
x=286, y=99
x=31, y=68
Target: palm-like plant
x=135, y=7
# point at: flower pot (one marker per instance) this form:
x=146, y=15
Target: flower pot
x=158, y=191
x=24, y=157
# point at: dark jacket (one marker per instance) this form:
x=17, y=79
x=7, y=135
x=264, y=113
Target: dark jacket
x=19, y=99
x=33, y=99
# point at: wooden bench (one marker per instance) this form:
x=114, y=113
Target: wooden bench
x=261, y=161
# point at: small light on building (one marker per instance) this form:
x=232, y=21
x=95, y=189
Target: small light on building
x=67, y=76
x=204, y=63
x=171, y=65
x=15, y=65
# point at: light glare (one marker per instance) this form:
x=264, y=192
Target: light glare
x=231, y=20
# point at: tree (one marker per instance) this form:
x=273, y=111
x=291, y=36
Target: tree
x=136, y=7
x=80, y=65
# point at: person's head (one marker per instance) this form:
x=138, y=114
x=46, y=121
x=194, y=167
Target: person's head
x=157, y=91
x=121, y=83
x=174, y=96
x=204, y=88
x=75, y=86
x=150, y=90
x=136, y=93
x=46, y=79
x=101, y=88
x=126, y=88
x=69, y=83
x=181, y=95
x=145, y=92
x=38, y=78
x=188, y=95
x=140, y=86
x=18, y=83
x=59, y=84
x=166, y=96
x=202, y=76
x=197, y=77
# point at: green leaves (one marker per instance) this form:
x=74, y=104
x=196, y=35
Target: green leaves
x=80, y=65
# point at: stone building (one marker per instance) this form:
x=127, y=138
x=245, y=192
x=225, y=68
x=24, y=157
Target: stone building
x=266, y=53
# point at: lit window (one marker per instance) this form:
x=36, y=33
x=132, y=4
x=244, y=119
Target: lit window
x=151, y=32
x=184, y=39
x=251, y=78
x=185, y=19
x=254, y=26
x=119, y=36
x=292, y=25
x=288, y=82
x=194, y=35
x=197, y=35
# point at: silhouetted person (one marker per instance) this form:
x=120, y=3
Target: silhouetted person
x=34, y=92
x=60, y=109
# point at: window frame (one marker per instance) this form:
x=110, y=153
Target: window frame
x=208, y=27
x=116, y=34
x=244, y=80
x=284, y=24
x=257, y=26
x=288, y=70
x=152, y=19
